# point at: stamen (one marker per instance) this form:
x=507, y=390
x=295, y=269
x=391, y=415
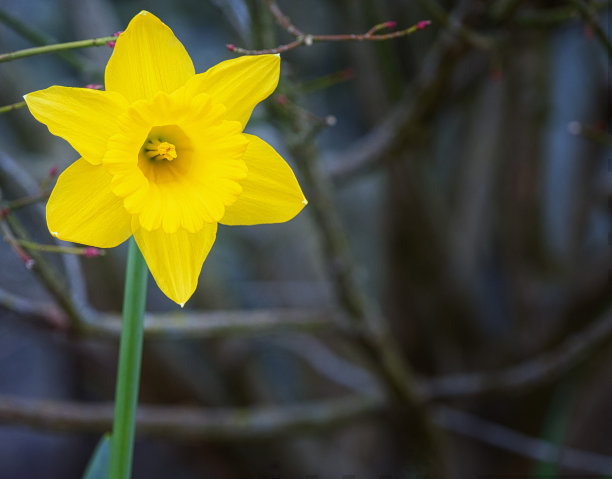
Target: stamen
x=160, y=150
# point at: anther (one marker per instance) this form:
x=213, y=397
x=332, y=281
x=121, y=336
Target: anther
x=160, y=150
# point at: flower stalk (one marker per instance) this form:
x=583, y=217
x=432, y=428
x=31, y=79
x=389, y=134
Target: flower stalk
x=128, y=375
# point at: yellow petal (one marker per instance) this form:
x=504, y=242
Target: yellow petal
x=147, y=59
x=82, y=116
x=239, y=84
x=175, y=259
x=270, y=192
x=82, y=208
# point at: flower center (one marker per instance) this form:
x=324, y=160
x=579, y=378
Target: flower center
x=159, y=150
x=166, y=154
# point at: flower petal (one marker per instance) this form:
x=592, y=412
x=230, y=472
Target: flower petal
x=82, y=116
x=147, y=58
x=83, y=209
x=239, y=84
x=175, y=259
x=270, y=192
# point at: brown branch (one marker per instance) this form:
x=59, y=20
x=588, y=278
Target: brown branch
x=455, y=26
x=595, y=134
x=283, y=20
x=217, y=323
x=308, y=39
x=9, y=237
x=401, y=128
x=553, y=17
x=371, y=331
x=537, y=371
x=502, y=437
x=46, y=313
x=27, y=200
x=589, y=15
x=257, y=423
x=188, y=423
x=543, y=368
x=88, y=321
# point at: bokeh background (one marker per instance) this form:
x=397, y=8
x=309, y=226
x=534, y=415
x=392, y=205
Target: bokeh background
x=459, y=185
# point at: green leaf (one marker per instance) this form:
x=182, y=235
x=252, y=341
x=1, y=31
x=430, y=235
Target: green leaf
x=98, y=464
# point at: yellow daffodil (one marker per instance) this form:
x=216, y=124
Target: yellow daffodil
x=163, y=154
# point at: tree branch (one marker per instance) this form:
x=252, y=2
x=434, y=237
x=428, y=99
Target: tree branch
x=589, y=15
x=308, y=39
x=502, y=437
x=401, y=128
x=181, y=422
x=58, y=47
x=270, y=422
x=214, y=324
x=46, y=313
x=532, y=372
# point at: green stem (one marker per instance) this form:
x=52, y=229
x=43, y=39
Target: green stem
x=58, y=47
x=12, y=107
x=53, y=248
x=37, y=38
x=128, y=375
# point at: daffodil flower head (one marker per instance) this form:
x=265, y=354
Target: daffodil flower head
x=163, y=154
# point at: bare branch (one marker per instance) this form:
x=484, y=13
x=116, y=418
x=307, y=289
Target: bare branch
x=88, y=321
x=372, y=333
x=176, y=422
x=327, y=362
x=283, y=20
x=508, y=439
x=401, y=126
x=47, y=313
x=590, y=17
x=543, y=368
x=308, y=39
x=258, y=422
x=217, y=323
x=554, y=16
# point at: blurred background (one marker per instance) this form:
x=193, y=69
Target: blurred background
x=442, y=305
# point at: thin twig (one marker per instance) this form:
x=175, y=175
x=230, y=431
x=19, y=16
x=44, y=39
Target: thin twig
x=283, y=20
x=88, y=251
x=9, y=237
x=27, y=200
x=38, y=38
x=401, y=125
x=552, y=17
x=595, y=134
x=308, y=39
x=502, y=10
x=12, y=173
x=52, y=280
x=12, y=107
x=590, y=17
x=58, y=47
x=455, y=26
